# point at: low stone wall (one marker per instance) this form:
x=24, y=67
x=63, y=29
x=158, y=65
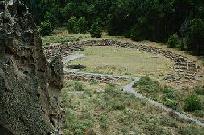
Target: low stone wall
x=80, y=76
x=183, y=67
x=65, y=49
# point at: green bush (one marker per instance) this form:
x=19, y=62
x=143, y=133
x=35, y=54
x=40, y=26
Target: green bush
x=137, y=32
x=171, y=103
x=71, y=24
x=75, y=25
x=148, y=85
x=46, y=28
x=51, y=18
x=170, y=98
x=174, y=42
x=195, y=36
x=81, y=25
x=96, y=30
x=169, y=93
x=192, y=103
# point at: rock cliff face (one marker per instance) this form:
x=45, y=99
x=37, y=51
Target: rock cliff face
x=28, y=83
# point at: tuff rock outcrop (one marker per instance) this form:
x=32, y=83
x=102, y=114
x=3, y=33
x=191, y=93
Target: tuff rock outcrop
x=29, y=85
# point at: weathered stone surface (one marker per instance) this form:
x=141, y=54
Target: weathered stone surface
x=25, y=107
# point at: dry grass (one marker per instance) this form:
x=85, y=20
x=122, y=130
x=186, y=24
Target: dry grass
x=173, y=98
x=124, y=61
x=112, y=112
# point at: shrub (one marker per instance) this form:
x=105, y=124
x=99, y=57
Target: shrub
x=192, y=103
x=136, y=33
x=171, y=103
x=51, y=18
x=46, y=28
x=143, y=81
x=75, y=25
x=170, y=98
x=96, y=30
x=81, y=25
x=196, y=36
x=71, y=24
x=174, y=42
x=148, y=85
x=169, y=92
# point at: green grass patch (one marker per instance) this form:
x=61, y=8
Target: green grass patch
x=61, y=35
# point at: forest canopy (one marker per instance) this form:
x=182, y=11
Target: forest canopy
x=180, y=23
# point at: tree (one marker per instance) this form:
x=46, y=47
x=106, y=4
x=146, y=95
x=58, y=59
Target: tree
x=96, y=30
x=196, y=36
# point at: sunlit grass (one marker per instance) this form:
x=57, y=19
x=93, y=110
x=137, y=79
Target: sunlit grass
x=124, y=61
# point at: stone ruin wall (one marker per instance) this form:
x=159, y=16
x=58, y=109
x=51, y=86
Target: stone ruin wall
x=184, y=68
x=29, y=85
x=86, y=77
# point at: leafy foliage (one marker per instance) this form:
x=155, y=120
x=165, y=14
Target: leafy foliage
x=75, y=25
x=196, y=36
x=95, y=30
x=71, y=24
x=154, y=20
x=192, y=103
x=174, y=41
x=46, y=28
x=170, y=98
x=148, y=85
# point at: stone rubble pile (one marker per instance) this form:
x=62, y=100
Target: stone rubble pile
x=64, y=49
x=183, y=67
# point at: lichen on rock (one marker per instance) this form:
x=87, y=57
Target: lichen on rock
x=25, y=76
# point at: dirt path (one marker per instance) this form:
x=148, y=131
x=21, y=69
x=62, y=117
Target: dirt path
x=129, y=89
x=73, y=57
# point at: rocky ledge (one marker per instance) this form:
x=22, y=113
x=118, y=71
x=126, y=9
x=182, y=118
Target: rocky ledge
x=29, y=85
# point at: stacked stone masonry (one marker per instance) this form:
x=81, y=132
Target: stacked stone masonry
x=87, y=77
x=183, y=67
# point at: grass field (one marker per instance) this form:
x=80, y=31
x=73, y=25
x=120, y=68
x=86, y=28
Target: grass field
x=105, y=110
x=124, y=61
x=93, y=107
x=61, y=35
